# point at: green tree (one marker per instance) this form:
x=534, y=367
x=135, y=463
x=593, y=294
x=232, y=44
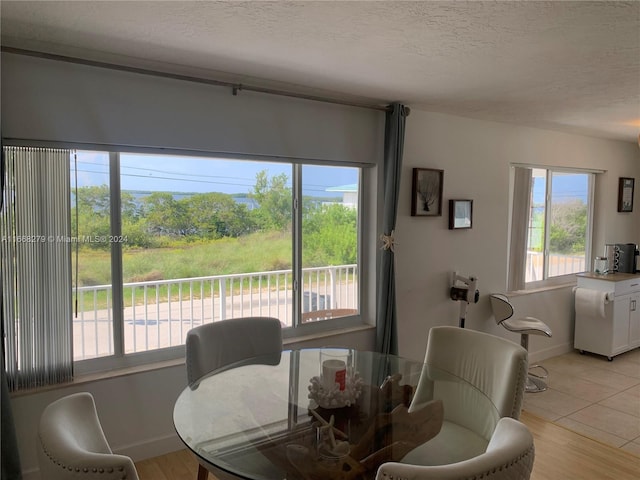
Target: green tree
x=329, y=235
x=217, y=215
x=568, y=227
x=274, y=200
x=94, y=200
x=130, y=209
x=165, y=216
x=90, y=216
x=94, y=217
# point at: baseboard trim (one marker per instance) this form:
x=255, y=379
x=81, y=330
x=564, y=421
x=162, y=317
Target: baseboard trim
x=150, y=448
x=31, y=474
x=540, y=355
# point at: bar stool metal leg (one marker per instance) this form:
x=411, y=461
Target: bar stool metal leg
x=535, y=382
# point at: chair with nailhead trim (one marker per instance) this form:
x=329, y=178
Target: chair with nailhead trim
x=509, y=456
x=494, y=366
x=71, y=444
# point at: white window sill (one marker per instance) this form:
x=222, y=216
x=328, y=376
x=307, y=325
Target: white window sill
x=85, y=378
x=546, y=288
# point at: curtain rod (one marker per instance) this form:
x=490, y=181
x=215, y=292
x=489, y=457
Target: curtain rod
x=235, y=87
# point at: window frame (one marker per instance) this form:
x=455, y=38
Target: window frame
x=557, y=280
x=368, y=212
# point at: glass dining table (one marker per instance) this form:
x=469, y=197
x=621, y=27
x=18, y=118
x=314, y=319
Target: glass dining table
x=317, y=414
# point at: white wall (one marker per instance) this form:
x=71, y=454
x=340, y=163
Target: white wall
x=475, y=156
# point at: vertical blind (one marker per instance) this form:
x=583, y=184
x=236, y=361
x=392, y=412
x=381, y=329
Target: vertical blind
x=35, y=249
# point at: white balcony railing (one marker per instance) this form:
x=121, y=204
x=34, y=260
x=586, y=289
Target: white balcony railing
x=158, y=314
x=558, y=265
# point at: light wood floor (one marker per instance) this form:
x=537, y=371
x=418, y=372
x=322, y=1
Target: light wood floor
x=560, y=455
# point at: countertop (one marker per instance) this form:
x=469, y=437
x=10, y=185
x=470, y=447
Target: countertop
x=611, y=277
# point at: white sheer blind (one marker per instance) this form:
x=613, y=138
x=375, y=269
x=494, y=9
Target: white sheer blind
x=36, y=266
x=519, y=227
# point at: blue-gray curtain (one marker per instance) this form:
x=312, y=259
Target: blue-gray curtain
x=386, y=322
x=10, y=463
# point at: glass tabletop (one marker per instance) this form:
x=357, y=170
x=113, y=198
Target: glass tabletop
x=321, y=413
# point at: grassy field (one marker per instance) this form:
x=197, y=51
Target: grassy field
x=252, y=253
x=257, y=252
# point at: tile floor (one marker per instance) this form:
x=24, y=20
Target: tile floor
x=594, y=397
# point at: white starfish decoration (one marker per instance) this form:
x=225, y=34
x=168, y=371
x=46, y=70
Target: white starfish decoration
x=389, y=242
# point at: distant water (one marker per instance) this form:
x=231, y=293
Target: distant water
x=239, y=198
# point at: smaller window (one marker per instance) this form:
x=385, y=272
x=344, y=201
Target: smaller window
x=553, y=209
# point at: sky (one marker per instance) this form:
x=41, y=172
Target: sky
x=565, y=187
x=198, y=174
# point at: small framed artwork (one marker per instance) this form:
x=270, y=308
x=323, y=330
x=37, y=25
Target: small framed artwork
x=426, y=192
x=460, y=214
x=625, y=194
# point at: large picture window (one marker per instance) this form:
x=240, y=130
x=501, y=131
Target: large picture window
x=159, y=244
x=552, y=212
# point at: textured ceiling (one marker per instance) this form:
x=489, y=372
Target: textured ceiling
x=560, y=65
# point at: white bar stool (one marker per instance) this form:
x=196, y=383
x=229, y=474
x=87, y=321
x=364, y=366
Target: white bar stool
x=525, y=326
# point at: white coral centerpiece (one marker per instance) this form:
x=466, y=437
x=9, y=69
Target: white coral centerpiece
x=334, y=397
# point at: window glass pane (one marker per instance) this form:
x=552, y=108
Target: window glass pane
x=536, y=228
x=329, y=242
x=568, y=223
x=206, y=239
x=203, y=240
x=558, y=224
x=91, y=256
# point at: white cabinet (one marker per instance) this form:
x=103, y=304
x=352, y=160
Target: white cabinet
x=634, y=321
x=618, y=329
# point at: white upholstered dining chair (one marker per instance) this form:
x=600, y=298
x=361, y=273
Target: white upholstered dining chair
x=495, y=366
x=71, y=444
x=215, y=345
x=509, y=456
